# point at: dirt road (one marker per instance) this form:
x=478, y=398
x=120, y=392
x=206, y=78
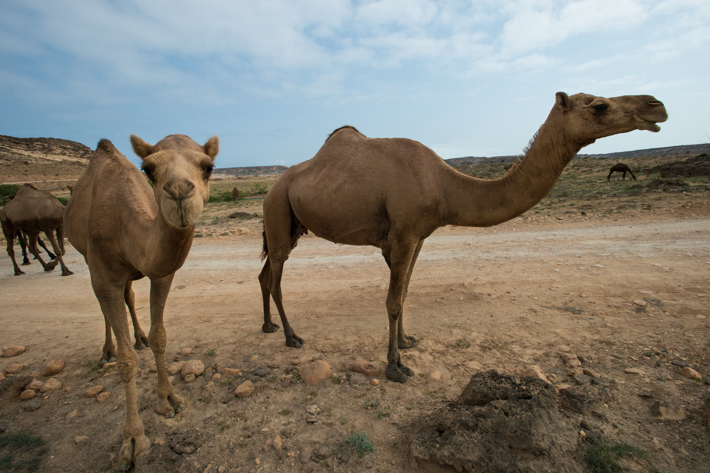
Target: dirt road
x=621, y=294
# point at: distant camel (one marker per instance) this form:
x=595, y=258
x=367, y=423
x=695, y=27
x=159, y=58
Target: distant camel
x=394, y=193
x=128, y=229
x=620, y=167
x=24, y=241
x=35, y=211
x=235, y=195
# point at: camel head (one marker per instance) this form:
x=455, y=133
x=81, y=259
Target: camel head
x=179, y=170
x=585, y=118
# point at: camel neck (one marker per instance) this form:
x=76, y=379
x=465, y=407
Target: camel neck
x=485, y=202
x=166, y=246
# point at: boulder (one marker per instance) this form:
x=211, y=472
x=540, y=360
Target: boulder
x=13, y=350
x=314, y=373
x=53, y=367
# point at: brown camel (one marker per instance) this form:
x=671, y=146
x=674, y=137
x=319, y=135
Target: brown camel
x=620, y=167
x=235, y=195
x=34, y=211
x=24, y=239
x=127, y=230
x=393, y=193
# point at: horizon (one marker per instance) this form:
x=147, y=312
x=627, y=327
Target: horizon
x=272, y=80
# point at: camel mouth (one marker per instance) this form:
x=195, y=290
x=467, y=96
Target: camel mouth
x=643, y=124
x=181, y=213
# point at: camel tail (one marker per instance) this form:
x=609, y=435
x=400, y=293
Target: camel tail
x=265, y=249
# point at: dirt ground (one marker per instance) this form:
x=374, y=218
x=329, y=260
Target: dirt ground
x=503, y=298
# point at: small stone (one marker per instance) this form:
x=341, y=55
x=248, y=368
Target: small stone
x=582, y=379
x=640, y=303
x=245, y=389
x=52, y=384
x=314, y=373
x=28, y=394
x=262, y=371
x=14, y=368
x=591, y=373
x=663, y=410
x=36, y=374
x=53, y=367
x=13, y=350
x=102, y=397
x=189, y=378
x=231, y=372
x=563, y=387
x=278, y=443
x=194, y=367
x=185, y=351
x=32, y=405
x=311, y=419
x=534, y=371
x=72, y=415
x=313, y=410
x=93, y=391
x=108, y=366
x=357, y=379
x=375, y=382
x=435, y=375
x=216, y=377
x=35, y=385
x=175, y=367
x=367, y=368
x=575, y=371
x=81, y=439
x=645, y=394
x=571, y=360
x=634, y=371
x=691, y=373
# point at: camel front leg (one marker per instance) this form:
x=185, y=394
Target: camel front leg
x=33, y=249
x=158, y=340
x=401, y=257
x=23, y=246
x=407, y=341
x=9, y=233
x=58, y=251
x=110, y=296
x=130, y=299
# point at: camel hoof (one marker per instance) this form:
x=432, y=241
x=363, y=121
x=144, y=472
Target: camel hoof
x=296, y=342
x=19, y=273
x=26, y=263
x=67, y=273
x=270, y=328
x=395, y=374
x=407, y=371
x=408, y=342
x=140, y=346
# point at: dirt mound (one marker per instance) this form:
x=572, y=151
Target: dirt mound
x=691, y=167
x=243, y=215
x=500, y=423
x=666, y=183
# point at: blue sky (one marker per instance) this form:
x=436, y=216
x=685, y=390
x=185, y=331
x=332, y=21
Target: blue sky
x=272, y=78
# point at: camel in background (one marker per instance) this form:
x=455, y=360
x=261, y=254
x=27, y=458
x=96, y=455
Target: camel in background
x=393, y=194
x=34, y=211
x=620, y=167
x=235, y=195
x=128, y=230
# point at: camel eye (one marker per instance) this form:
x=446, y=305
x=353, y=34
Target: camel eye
x=208, y=171
x=149, y=173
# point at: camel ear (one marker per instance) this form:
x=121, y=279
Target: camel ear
x=562, y=101
x=212, y=147
x=140, y=147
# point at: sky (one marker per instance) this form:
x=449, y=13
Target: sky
x=272, y=78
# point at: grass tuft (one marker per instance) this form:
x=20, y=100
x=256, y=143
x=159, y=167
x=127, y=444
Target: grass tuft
x=360, y=444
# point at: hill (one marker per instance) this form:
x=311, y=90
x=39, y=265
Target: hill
x=249, y=171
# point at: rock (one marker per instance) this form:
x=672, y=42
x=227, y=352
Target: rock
x=2, y=376
x=35, y=385
x=691, y=373
x=581, y=379
x=193, y=367
x=375, y=382
x=314, y=373
x=72, y=415
x=640, y=303
x=108, y=365
x=435, y=375
x=231, y=372
x=645, y=394
x=575, y=371
x=591, y=373
x=175, y=367
x=534, y=371
x=103, y=397
x=571, y=360
x=28, y=394
x=262, y=371
x=245, y=389
x=53, y=367
x=634, y=371
x=14, y=368
x=357, y=379
x=313, y=410
x=81, y=440
x=32, y=405
x=93, y=391
x=209, y=373
x=52, y=384
x=13, y=350
x=185, y=351
x=189, y=378
x=367, y=368
x=663, y=410
x=216, y=378
x=680, y=364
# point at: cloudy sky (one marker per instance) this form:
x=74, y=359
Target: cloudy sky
x=272, y=78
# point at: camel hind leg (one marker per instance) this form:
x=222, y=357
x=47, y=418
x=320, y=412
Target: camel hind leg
x=50, y=236
x=23, y=245
x=33, y=249
x=9, y=231
x=130, y=298
x=272, y=280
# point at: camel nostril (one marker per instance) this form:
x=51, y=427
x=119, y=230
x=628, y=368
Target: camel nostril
x=178, y=190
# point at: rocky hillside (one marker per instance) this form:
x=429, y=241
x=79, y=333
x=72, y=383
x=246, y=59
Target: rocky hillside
x=250, y=171
x=49, y=163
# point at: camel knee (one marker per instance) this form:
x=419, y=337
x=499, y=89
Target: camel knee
x=158, y=339
x=127, y=366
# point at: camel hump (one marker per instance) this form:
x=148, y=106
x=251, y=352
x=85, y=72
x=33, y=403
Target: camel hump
x=106, y=146
x=346, y=127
